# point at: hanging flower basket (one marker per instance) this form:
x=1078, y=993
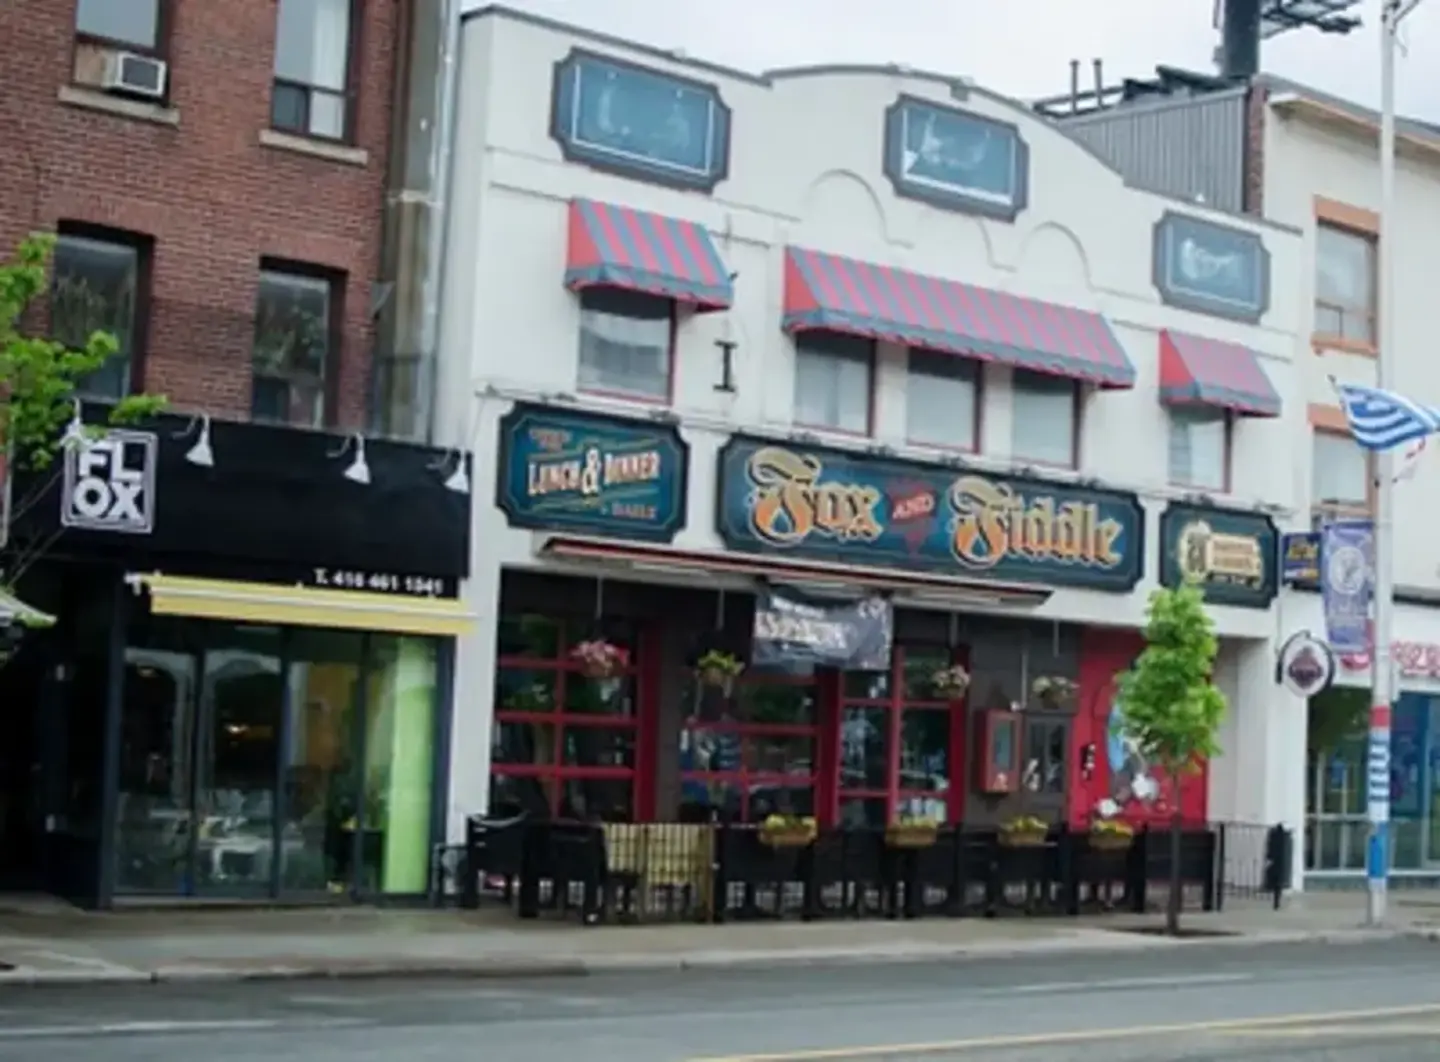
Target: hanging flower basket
x=718, y=670
x=1055, y=691
x=787, y=831
x=599, y=659
x=950, y=682
x=912, y=833
x=1026, y=831
x=1111, y=836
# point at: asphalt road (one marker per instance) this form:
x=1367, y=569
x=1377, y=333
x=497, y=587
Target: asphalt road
x=1317, y=1003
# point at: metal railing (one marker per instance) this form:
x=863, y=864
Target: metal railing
x=629, y=872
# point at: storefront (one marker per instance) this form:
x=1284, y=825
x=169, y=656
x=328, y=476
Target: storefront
x=1336, y=740
x=816, y=555
x=246, y=694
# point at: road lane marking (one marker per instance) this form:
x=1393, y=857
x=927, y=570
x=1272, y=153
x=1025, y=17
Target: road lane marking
x=1366, y=1031
x=461, y=995
x=1077, y=1036
x=1124, y=983
x=163, y=1028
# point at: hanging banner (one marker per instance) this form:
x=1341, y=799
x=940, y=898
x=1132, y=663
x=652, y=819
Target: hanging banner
x=850, y=635
x=1346, y=583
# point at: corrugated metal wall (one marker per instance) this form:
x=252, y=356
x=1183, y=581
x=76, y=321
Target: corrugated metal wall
x=1193, y=147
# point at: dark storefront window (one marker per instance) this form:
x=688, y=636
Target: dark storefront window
x=895, y=741
x=752, y=752
x=245, y=770
x=564, y=743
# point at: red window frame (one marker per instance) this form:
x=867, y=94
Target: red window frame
x=895, y=704
x=566, y=670
x=744, y=777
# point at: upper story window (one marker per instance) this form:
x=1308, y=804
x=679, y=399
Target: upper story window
x=1045, y=419
x=1200, y=448
x=1344, y=284
x=1340, y=477
x=627, y=343
x=133, y=24
x=942, y=400
x=834, y=375
x=313, y=44
x=96, y=286
x=296, y=318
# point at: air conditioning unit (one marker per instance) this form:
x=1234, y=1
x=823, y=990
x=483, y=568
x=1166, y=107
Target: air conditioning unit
x=135, y=75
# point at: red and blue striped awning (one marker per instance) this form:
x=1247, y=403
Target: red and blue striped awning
x=1210, y=372
x=617, y=247
x=827, y=292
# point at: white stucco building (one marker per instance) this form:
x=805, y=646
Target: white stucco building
x=1309, y=161
x=1322, y=175
x=845, y=329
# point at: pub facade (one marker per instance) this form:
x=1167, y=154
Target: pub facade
x=827, y=475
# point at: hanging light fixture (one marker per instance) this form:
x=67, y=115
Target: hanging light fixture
x=458, y=480
x=202, y=454
x=359, y=470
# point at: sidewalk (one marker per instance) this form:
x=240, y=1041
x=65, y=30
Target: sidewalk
x=46, y=943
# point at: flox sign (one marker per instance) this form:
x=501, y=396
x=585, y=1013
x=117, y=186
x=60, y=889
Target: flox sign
x=110, y=483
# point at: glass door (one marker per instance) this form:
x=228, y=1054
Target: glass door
x=750, y=752
x=154, y=805
x=237, y=756
x=896, y=741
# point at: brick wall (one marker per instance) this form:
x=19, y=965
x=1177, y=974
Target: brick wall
x=210, y=194
x=1256, y=107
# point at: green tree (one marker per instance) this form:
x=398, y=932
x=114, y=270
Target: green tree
x=1169, y=706
x=38, y=378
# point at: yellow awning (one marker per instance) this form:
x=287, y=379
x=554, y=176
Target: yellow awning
x=299, y=606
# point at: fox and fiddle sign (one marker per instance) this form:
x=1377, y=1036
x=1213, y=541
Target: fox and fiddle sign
x=848, y=508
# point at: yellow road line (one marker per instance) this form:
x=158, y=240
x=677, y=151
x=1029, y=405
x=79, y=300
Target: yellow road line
x=1077, y=1036
x=1370, y=1032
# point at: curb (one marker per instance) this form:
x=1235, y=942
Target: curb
x=536, y=969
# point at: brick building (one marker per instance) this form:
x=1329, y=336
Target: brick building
x=204, y=163
x=243, y=686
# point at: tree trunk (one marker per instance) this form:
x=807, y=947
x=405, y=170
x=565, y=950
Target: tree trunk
x=1172, y=902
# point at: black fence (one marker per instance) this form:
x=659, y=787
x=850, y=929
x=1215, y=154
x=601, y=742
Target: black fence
x=650, y=872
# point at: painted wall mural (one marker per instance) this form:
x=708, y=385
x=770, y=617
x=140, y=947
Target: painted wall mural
x=617, y=116
x=1210, y=268
x=956, y=160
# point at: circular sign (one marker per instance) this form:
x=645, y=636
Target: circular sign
x=1306, y=665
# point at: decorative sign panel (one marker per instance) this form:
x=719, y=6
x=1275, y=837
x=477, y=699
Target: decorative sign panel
x=1234, y=555
x=1300, y=558
x=955, y=160
x=1211, y=268
x=848, y=508
x=566, y=470
x=627, y=119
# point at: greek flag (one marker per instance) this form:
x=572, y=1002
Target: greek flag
x=1383, y=420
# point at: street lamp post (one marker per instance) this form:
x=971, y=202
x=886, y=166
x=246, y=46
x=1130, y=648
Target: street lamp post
x=1377, y=860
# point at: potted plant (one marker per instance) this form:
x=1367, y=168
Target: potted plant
x=787, y=831
x=950, y=682
x=718, y=669
x=912, y=832
x=1024, y=831
x=599, y=659
x=1111, y=835
x=1054, y=691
